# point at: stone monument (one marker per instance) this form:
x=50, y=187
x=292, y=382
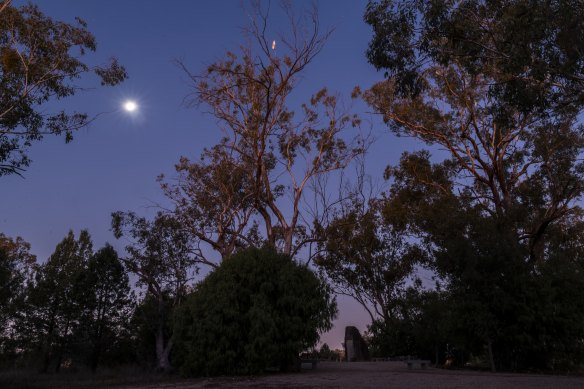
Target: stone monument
x=355, y=347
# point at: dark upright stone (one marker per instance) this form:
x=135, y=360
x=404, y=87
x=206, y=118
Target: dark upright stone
x=355, y=347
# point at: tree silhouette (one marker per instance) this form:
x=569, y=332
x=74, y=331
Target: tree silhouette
x=39, y=60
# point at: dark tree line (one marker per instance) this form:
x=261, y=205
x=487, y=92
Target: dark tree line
x=234, y=198
x=259, y=308
x=250, y=189
x=476, y=257
x=74, y=308
x=498, y=86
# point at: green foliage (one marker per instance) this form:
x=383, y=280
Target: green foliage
x=164, y=256
x=551, y=327
x=275, y=152
x=491, y=294
x=512, y=136
x=530, y=50
x=17, y=267
x=76, y=308
x=427, y=326
x=160, y=252
x=107, y=306
x=39, y=63
x=366, y=256
x=54, y=301
x=259, y=309
x=498, y=85
x=212, y=200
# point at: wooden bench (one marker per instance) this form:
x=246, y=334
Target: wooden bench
x=417, y=364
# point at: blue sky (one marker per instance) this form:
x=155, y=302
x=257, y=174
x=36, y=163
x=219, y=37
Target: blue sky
x=112, y=165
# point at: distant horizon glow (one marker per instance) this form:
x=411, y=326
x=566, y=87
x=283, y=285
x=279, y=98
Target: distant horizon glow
x=130, y=106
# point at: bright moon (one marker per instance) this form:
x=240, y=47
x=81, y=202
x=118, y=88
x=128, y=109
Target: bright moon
x=130, y=106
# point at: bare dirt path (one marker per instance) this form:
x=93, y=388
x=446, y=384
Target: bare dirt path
x=383, y=375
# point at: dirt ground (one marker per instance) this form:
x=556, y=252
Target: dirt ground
x=382, y=375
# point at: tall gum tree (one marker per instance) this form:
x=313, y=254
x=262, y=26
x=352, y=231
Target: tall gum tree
x=212, y=200
x=279, y=150
x=368, y=258
x=498, y=85
x=164, y=258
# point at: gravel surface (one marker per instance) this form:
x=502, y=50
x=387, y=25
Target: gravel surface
x=383, y=375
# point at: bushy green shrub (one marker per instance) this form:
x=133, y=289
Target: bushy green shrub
x=258, y=310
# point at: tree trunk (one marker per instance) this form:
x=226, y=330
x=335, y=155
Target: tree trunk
x=95, y=357
x=62, y=348
x=288, y=238
x=491, y=357
x=59, y=360
x=162, y=351
x=46, y=349
x=46, y=358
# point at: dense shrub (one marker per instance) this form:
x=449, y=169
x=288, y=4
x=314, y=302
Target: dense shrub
x=258, y=310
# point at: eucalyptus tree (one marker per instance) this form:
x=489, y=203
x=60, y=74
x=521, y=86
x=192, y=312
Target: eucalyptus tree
x=164, y=257
x=40, y=61
x=365, y=256
x=277, y=149
x=497, y=86
x=212, y=200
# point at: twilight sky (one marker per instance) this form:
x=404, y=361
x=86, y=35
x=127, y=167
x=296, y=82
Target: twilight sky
x=112, y=165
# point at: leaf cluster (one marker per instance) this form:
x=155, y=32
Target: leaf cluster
x=74, y=306
x=258, y=309
x=40, y=61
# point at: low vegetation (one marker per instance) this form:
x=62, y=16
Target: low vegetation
x=258, y=310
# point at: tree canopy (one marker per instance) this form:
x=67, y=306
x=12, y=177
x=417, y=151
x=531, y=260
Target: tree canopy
x=471, y=254
x=275, y=150
x=259, y=309
x=106, y=305
x=165, y=259
x=54, y=299
x=366, y=257
x=528, y=54
x=40, y=59
x=498, y=86
x=17, y=266
x=513, y=136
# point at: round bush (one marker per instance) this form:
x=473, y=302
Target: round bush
x=257, y=310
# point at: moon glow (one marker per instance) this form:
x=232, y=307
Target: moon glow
x=130, y=106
